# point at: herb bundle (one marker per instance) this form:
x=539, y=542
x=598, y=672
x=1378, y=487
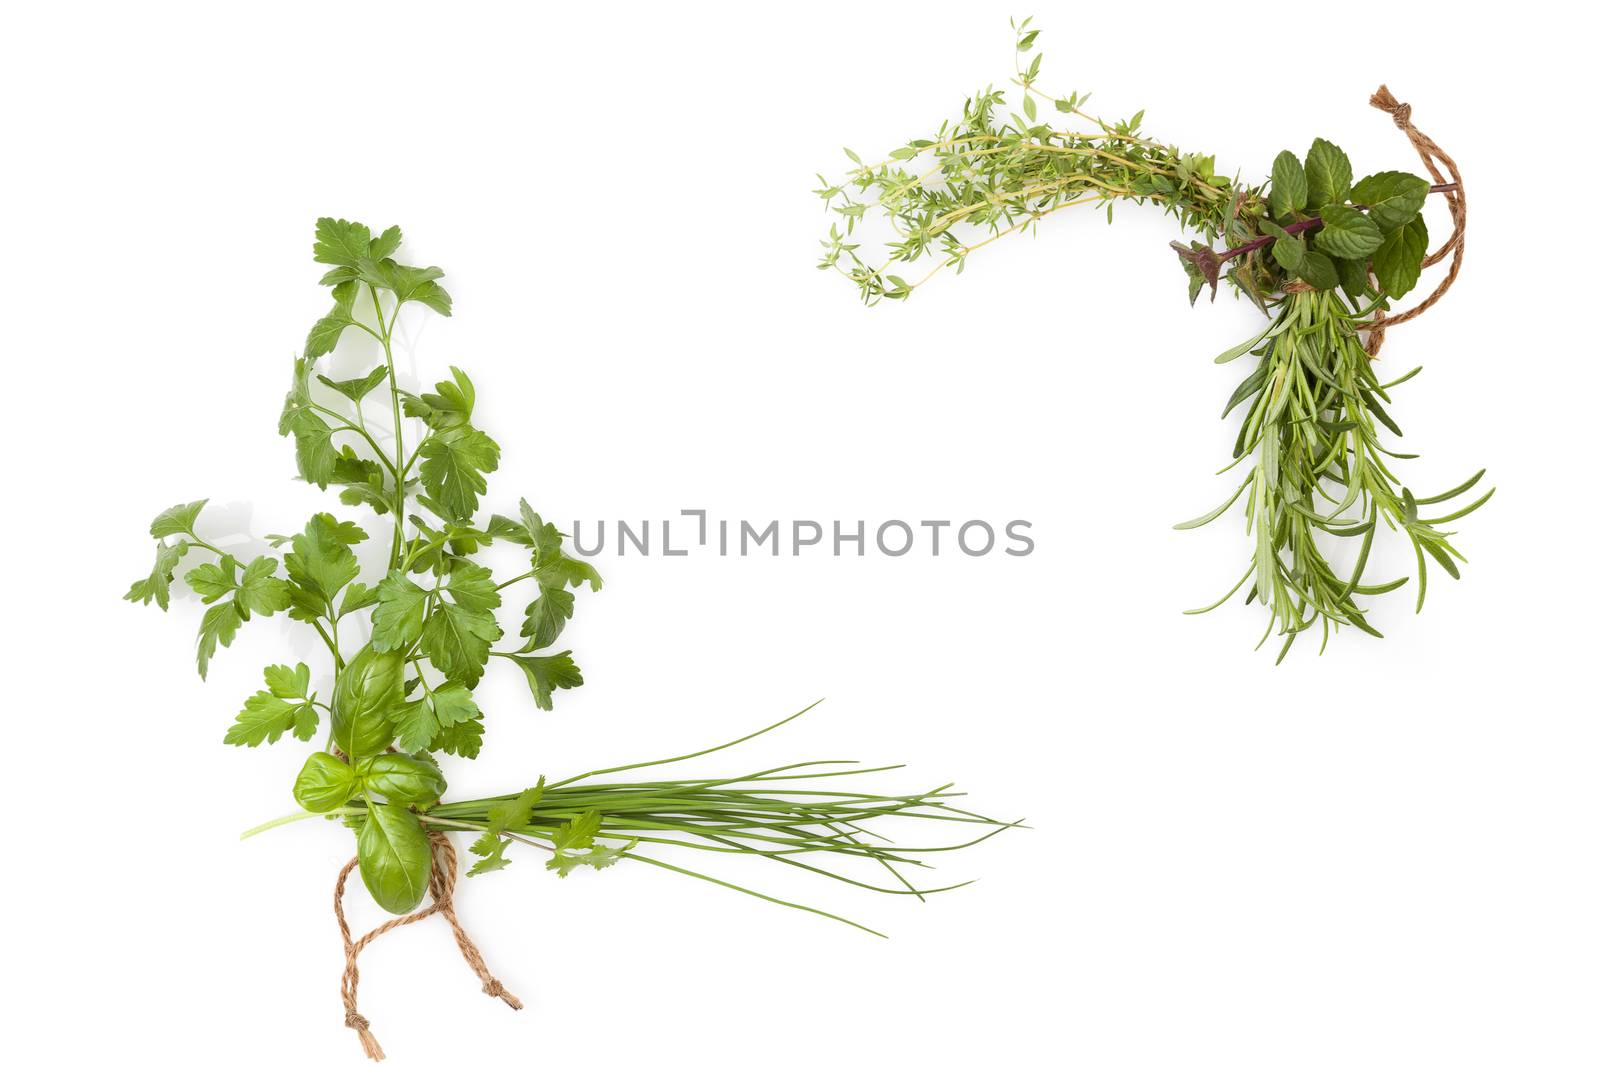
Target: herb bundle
x=406, y=652
x=1322, y=255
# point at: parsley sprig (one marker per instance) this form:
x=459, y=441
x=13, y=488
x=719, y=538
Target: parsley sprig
x=407, y=647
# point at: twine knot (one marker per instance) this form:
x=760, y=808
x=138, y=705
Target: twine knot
x=355, y=1020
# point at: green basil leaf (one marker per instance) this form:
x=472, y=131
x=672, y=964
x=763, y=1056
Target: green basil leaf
x=368, y=685
x=1398, y=261
x=1392, y=197
x=1288, y=193
x=403, y=779
x=324, y=783
x=394, y=858
x=1327, y=174
x=1347, y=233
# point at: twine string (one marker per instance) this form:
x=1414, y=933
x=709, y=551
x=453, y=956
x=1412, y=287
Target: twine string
x=1433, y=157
x=441, y=887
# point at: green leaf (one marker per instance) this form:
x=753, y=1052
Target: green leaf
x=341, y=243
x=403, y=779
x=324, y=335
x=385, y=244
x=397, y=620
x=321, y=562
x=1398, y=261
x=158, y=585
x=356, y=388
x=368, y=686
x=416, y=285
x=463, y=739
x=289, y=682
x=1347, y=233
x=1327, y=174
x=1392, y=198
x=213, y=581
x=417, y=723
x=356, y=597
x=453, y=466
x=546, y=674
x=217, y=627
x=1288, y=194
x=285, y=705
x=324, y=783
x=1288, y=251
x=456, y=641
x=1352, y=276
x=259, y=591
x=1317, y=270
x=546, y=617
x=599, y=857
x=578, y=834
x=450, y=407
x=178, y=519
x=394, y=857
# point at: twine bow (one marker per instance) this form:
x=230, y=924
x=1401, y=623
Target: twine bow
x=441, y=886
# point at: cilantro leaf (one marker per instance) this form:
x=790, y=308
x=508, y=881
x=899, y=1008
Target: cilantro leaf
x=548, y=673
x=158, y=586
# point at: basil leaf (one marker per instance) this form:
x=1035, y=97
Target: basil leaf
x=394, y=858
x=324, y=783
x=403, y=779
x=368, y=685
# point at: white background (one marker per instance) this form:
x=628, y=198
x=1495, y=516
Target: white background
x=1385, y=855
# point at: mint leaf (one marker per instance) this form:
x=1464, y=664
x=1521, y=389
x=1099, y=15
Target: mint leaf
x=1347, y=233
x=1398, y=261
x=1318, y=270
x=1392, y=198
x=1288, y=193
x=1327, y=174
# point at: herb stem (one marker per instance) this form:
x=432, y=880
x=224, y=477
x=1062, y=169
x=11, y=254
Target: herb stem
x=400, y=464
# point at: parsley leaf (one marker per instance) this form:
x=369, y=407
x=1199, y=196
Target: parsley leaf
x=417, y=723
x=158, y=586
x=512, y=814
x=178, y=519
x=459, y=630
x=548, y=673
x=217, y=627
x=453, y=466
x=321, y=564
x=575, y=847
x=285, y=705
x=397, y=620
